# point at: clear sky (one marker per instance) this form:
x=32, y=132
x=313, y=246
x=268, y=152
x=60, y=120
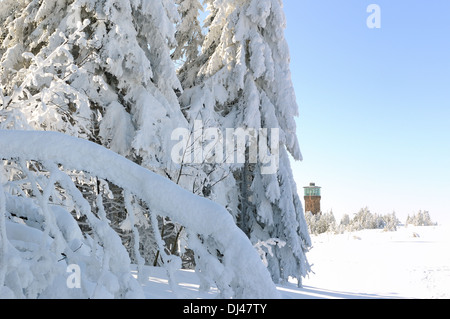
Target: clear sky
x=374, y=124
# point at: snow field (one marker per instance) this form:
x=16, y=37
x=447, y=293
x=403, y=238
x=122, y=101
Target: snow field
x=413, y=262
x=359, y=265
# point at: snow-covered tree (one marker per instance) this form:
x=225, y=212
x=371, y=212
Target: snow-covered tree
x=364, y=219
x=244, y=82
x=189, y=37
x=100, y=70
x=321, y=223
x=104, y=70
x=421, y=218
x=391, y=222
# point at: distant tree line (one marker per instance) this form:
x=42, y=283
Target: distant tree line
x=364, y=219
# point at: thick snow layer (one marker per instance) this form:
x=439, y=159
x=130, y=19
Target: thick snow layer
x=243, y=271
x=413, y=262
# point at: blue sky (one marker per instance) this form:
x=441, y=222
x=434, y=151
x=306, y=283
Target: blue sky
x=374, y=124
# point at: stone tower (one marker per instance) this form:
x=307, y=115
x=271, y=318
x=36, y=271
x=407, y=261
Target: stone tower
x=312, y=198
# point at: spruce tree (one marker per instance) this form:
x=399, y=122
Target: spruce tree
x=189, y=38
x=243, y=81
x=104, y=71
x=100, y=70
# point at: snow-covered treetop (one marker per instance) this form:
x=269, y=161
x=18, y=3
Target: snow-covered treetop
x=245, y=51
x=100, y=70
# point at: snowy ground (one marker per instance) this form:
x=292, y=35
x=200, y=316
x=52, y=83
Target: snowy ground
x=413, y=262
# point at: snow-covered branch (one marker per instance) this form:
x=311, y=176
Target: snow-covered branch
x=243, y=273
